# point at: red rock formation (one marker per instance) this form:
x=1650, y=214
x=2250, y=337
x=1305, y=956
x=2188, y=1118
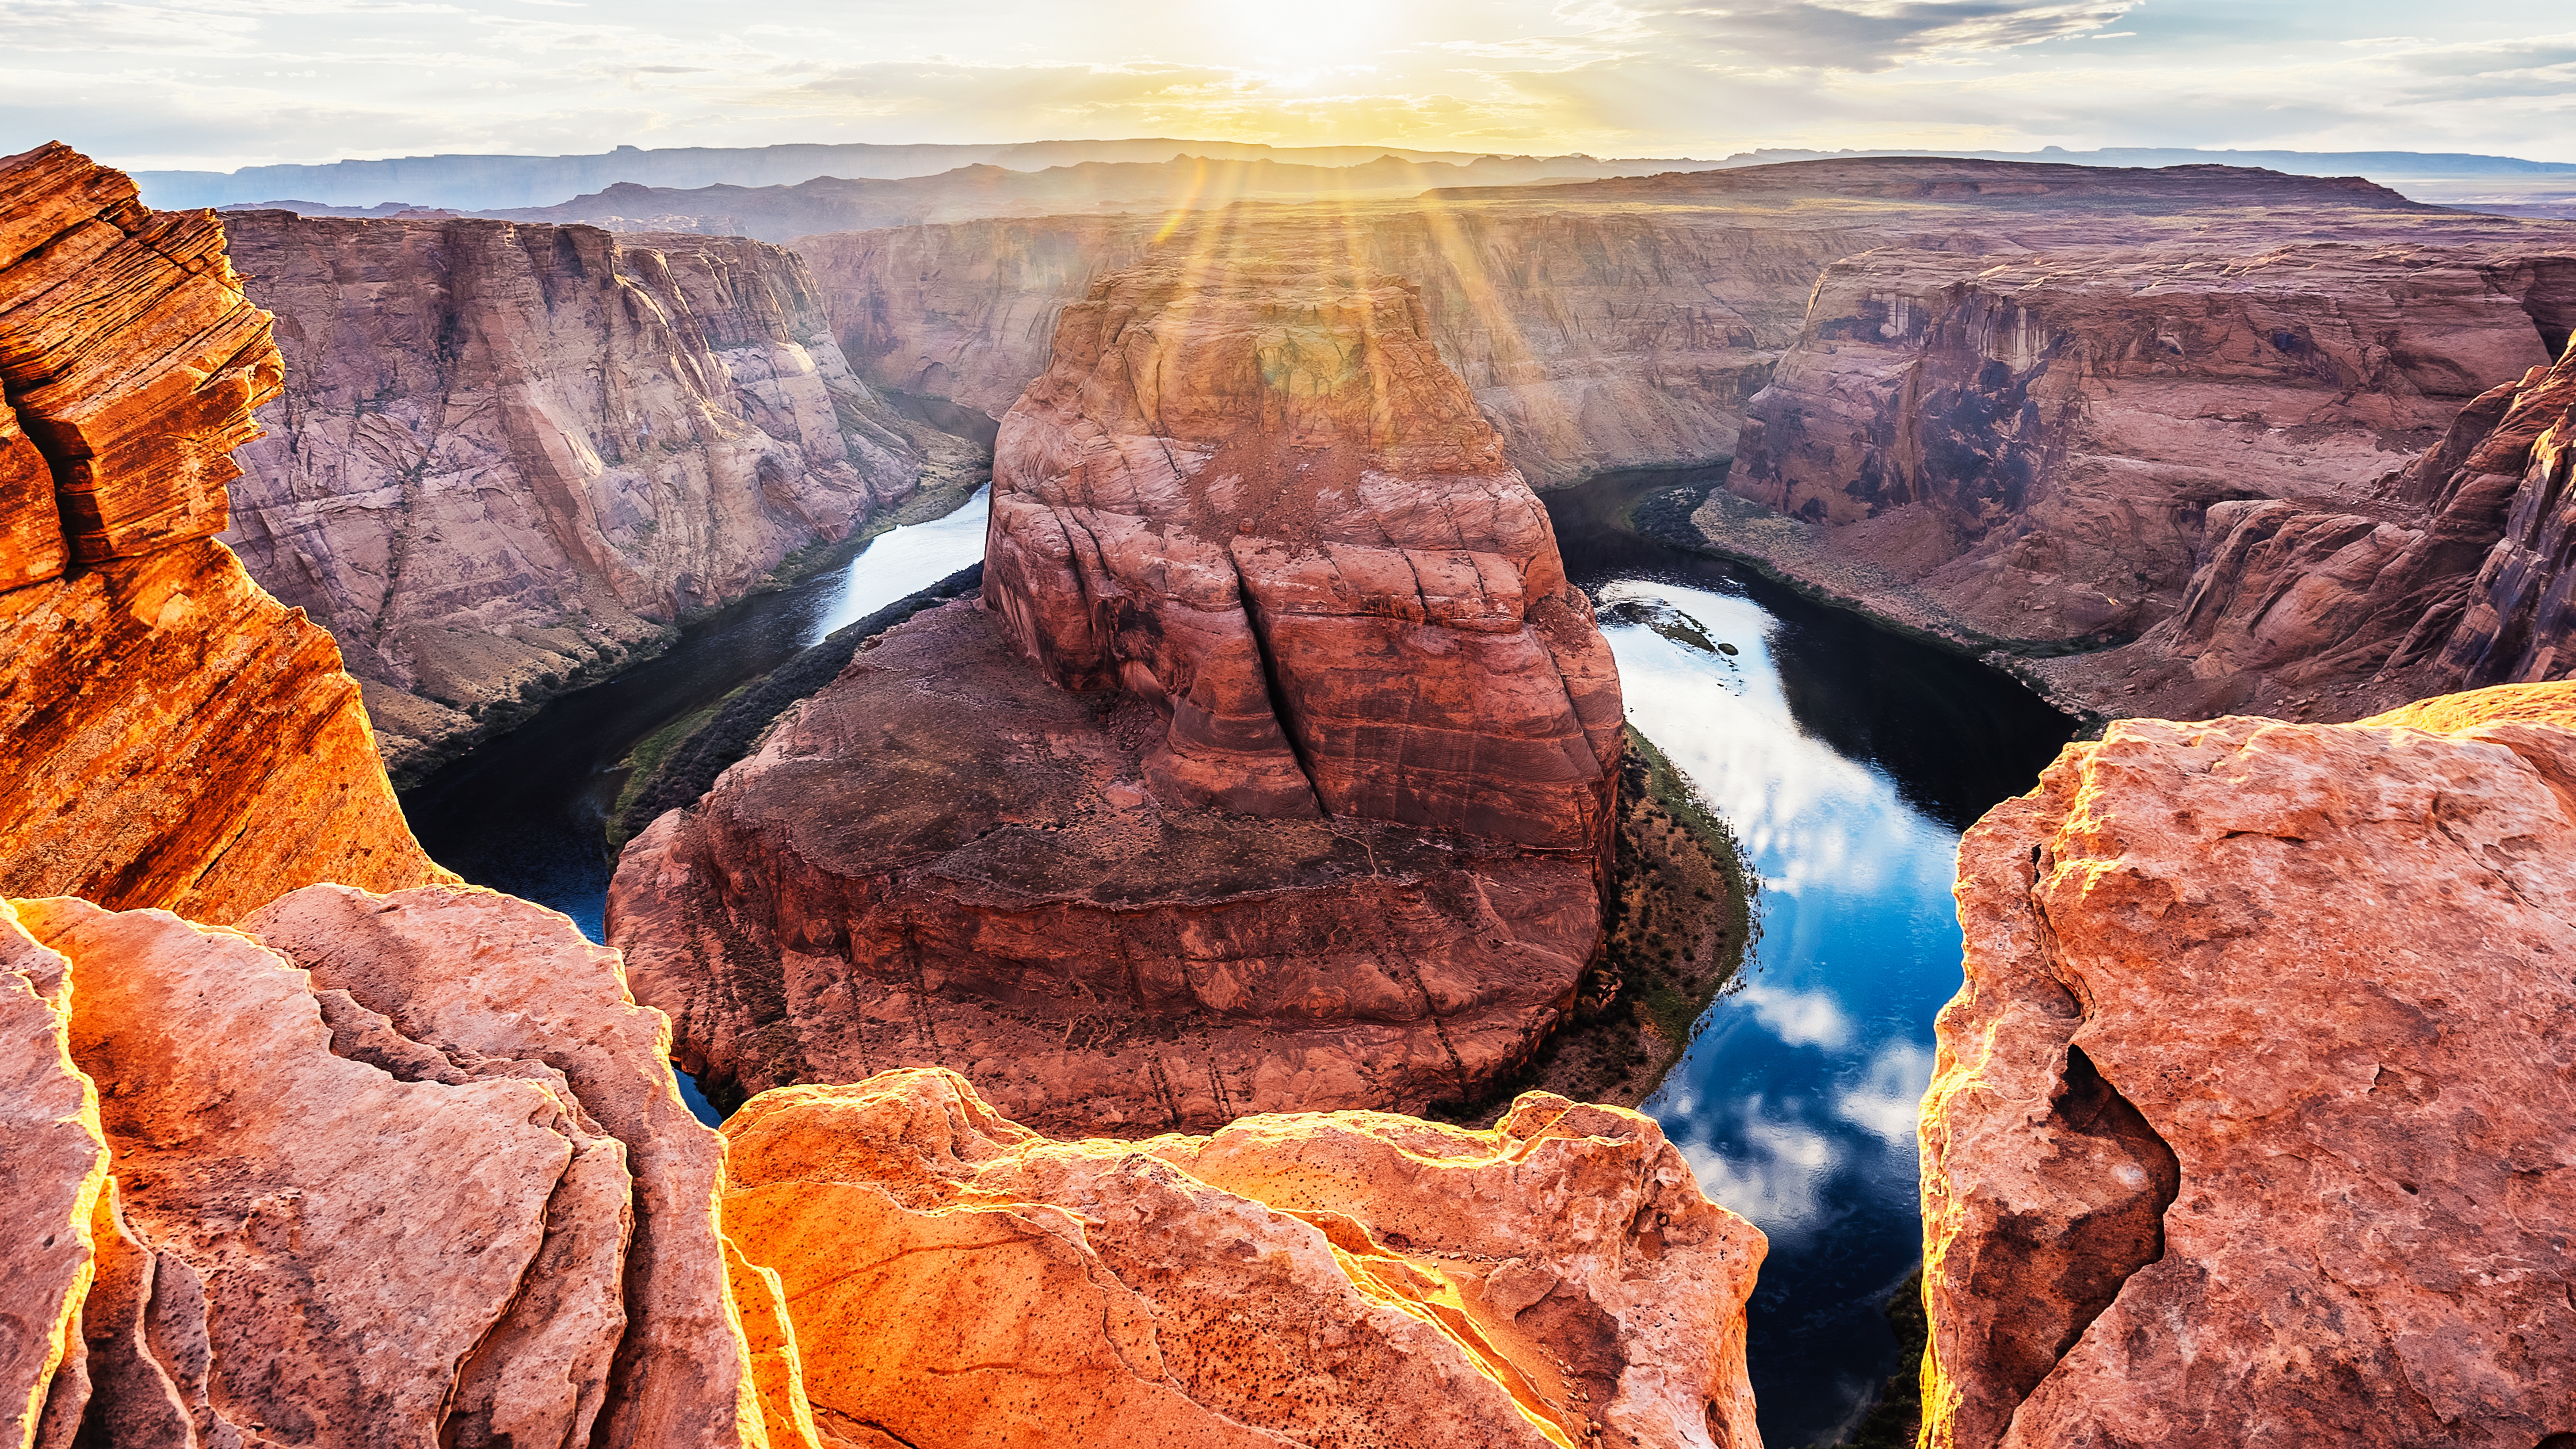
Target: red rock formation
x=961, y=1281
x=177, y=737
x=53, y=1173
x=439, y=1189
x=1257, y=497
x=943, y=858
x=1319, y=827
x=2255, y=1108
x=509, y=457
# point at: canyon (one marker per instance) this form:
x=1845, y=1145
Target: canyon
x=409, y=1165
x=1996, y=403
x=1271, y=767
x=1269, y=778
x=509, y=459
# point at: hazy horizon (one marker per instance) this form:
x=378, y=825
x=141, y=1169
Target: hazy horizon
x=221, y=84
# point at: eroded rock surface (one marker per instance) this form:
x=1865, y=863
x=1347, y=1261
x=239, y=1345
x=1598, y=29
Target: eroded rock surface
x=428, y=1182
x=509, y=457
x=177, y=737
x=958, y=1280
x=2255, y=1107
x=1274, y=771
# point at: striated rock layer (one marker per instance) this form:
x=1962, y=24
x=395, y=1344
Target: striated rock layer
x=2187, y=477
x=1260, y=500
x=1617, y=324
x=396, y=1170
x=2254, y=1110
x=177, y=737
x=1274, y=771
x=510, y=456
x=959, y=1281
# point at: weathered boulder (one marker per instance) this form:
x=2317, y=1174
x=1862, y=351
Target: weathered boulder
x=1314, y=821
x=960, y=1281
x=177, y=737
x=1256, y=496
x=508, y=457
x=428, y=1182
x=2253, y=1115
x=474, y=971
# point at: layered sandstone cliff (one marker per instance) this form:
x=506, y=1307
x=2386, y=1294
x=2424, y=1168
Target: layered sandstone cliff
x=176, y=736
x=2255, y=1108
x=509, y=457
x=960, y=1281
x=1273, y=772
x=2197, y=443
x=1611, y=325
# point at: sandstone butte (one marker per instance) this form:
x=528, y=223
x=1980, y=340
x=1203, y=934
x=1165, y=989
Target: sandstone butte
x=413, y=1170
x=508, y=458
x=1273, y=771
x=176, y=737
x=2252, y=1122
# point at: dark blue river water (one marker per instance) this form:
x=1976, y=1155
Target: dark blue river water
x=1847, y=759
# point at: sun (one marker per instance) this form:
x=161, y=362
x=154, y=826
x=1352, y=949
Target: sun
x=1307, y=32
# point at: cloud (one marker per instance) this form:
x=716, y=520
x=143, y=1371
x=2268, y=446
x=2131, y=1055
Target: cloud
x=1888, y=1098
x=1773, y=1173
x=1866, y=36
x=1799, y=1018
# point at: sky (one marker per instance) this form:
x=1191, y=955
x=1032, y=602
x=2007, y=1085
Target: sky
x=217, y=84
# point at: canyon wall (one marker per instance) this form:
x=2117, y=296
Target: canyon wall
x=1272, y=772
x=1613, y=324
x=509, y=458
x=2255, y=1106
x=176, y=736
x=2201, y=444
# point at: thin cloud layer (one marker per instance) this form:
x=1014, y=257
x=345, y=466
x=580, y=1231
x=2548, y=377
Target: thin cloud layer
x=222, y=83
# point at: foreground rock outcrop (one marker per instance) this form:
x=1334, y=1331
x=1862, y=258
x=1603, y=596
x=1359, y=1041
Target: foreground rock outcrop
x=413, y=1170
x=958, y=1280
x=176, y=736
x=2255, y=1109
x=385, y=1170
x=509, y=457
x=1273, y=773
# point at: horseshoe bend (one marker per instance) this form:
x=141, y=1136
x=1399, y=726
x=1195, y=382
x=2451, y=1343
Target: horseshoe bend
x=1273, y=769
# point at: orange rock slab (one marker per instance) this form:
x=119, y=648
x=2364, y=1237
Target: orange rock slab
x=2253, y=1117
x=130, y=354
x=958, y=1280
x=180, y=739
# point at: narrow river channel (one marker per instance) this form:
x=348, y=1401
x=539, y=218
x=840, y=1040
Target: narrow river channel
x=1846, y=758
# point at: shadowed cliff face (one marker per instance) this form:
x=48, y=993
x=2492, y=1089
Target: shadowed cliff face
x=509, y=457
x=2255, y=1105
x=176, y=737
x=1272, y=772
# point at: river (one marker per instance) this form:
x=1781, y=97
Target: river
x=1847, y=758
